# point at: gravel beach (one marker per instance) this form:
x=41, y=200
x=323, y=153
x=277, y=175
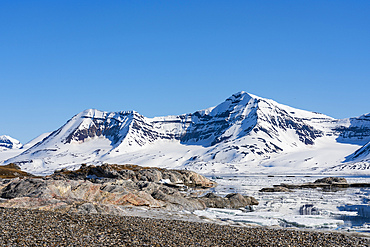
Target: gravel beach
x=22, y=227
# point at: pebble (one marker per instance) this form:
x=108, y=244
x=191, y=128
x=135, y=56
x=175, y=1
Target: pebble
x=24, y=227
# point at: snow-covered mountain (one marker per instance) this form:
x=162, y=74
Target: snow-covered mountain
x=362, y=153
x=7, y=142
x=245, y=133
x=17, y=148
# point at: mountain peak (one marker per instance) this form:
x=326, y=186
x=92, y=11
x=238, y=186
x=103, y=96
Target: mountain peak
x=242, y=95
x=91, y=113
x=94, y=113
x=7, y=142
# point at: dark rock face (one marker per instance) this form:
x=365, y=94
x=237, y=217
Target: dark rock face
x=94, y=189
x=362, y=152
x=357, y=132
x=282, y=120
x=108, y=126
x=23, y=187
x=116, y=126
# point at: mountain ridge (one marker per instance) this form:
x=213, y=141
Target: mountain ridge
x=243, y=133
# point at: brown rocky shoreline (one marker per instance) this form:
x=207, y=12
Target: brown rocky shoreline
x=24, y=227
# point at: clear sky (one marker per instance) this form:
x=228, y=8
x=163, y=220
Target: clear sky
x=159, y=58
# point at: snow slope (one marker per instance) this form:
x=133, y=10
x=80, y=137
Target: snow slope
x=243, y=134
x=17, y=147
x=9, y=147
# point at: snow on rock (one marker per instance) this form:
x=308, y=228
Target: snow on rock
x=361, y=153
x=7, y=142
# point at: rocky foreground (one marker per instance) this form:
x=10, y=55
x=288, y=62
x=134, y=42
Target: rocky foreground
x=99, y=205
x=108, y=189
x=22, y=227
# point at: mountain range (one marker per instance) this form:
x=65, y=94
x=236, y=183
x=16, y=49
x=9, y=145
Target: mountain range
x=243, y=134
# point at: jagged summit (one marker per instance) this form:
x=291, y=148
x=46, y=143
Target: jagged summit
x=245, y=132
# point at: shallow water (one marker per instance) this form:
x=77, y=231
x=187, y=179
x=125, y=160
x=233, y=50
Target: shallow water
x=340, y=209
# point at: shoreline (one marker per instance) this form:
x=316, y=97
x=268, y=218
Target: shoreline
x=36, y=227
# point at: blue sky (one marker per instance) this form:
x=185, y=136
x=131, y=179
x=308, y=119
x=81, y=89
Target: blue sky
x=59, y=58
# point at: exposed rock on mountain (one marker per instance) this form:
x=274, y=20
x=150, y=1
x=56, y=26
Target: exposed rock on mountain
x=356, y=130
x=362, y=153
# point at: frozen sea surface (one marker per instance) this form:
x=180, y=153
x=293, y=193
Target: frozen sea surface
x=340, y=209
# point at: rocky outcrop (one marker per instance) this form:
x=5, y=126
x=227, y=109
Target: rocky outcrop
x=275, y=189
x=233, y=200
x=325, y=183
x=103, y=190
x=331, y=180
x=12, y=171
x=137, y=173
x=328, y=183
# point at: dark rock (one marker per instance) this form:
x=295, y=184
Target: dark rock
x=275, y=189
x=237, y=200
x=151, y=175
x=331, y=180
x=308, y=209
x=328, y=183
x=211, y=195
x=233, y=200
x=360, y=185
x=211, y=200
x=87, y=208
x=30, y=187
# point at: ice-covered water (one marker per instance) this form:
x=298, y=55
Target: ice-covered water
x=340, y=209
